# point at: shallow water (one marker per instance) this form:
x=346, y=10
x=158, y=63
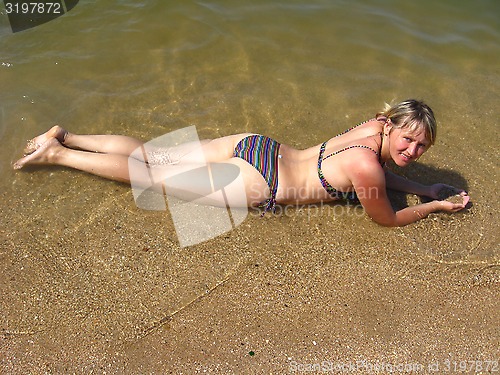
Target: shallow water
x=297, y=71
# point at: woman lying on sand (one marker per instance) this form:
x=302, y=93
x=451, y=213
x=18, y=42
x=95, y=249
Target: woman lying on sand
x=350, y=164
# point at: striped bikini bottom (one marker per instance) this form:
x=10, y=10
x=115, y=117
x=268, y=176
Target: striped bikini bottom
x=262, y=153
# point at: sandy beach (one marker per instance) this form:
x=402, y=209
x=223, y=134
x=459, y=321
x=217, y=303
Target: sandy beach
x=92, y=284
x=114, y=293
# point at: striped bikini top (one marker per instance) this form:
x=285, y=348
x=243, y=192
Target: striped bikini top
x=334, y=193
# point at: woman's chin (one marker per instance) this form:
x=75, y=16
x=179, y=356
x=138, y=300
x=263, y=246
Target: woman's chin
x=402, y=161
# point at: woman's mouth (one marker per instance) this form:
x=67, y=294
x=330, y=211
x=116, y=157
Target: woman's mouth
x=406, y=158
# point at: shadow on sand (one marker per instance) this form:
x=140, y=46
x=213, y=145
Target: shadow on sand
x=427, y=175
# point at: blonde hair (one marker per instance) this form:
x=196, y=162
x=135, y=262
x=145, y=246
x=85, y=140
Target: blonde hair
x=413, y=115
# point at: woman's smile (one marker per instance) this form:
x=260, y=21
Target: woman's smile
x=406, y=146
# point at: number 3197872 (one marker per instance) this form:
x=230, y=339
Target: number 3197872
x=33, y=8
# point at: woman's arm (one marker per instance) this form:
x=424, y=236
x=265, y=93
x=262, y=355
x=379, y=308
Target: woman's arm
x=370, y=183
x=396, y=182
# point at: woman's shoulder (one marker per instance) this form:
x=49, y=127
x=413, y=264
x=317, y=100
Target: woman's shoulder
x=365, y=127
x=363, y=167
x=361, y=130
x=360, y=153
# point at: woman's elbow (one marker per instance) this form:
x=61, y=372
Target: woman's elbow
x=390, y=222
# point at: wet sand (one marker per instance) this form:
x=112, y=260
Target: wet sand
x=106, y=288
x=91, y=284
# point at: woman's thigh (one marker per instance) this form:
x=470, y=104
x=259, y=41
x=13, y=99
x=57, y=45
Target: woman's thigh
x=233, y=180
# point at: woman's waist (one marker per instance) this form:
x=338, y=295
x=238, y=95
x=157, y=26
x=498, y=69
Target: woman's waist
x=292, y=155
x=299, y=181
x=301, y=194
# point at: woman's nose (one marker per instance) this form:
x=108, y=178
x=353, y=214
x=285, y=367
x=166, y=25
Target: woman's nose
x=412, y=149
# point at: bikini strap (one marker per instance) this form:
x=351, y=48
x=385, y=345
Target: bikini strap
x=347, y=148
x=354, y=127
x=323, y=147
x=326, y=185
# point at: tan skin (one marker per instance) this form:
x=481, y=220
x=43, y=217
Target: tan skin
x=354, y=169
x=359, y=169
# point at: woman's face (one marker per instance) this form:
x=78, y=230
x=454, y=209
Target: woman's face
x=407, y=145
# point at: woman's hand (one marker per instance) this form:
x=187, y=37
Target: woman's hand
x=440, y=192
x=450, y=206
x=436, y=188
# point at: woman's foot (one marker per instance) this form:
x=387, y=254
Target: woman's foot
x=44, y=154
x=55, y=132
